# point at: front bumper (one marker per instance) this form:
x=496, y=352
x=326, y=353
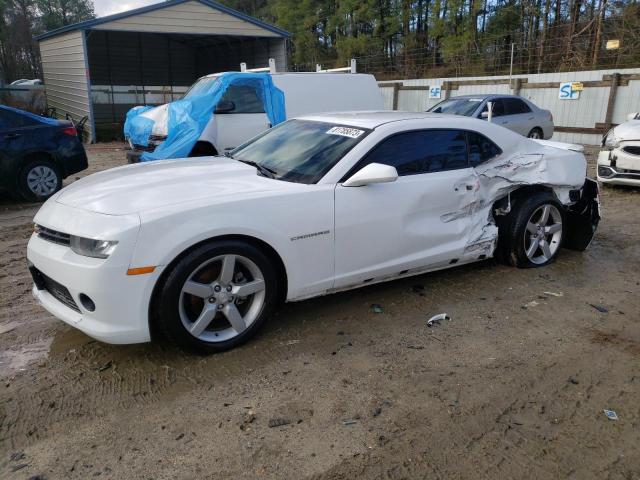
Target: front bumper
x=121, y=302
x=618, y=167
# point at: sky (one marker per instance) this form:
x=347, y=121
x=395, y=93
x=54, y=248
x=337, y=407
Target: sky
x=108, y=7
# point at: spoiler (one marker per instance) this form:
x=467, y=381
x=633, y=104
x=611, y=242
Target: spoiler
x=561, y=145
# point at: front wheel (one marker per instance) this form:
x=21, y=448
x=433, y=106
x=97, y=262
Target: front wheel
x=532, y=234
x=217, y=296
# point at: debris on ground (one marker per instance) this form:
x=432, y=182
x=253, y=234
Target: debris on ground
x=573, y=381
x=437, y=319
x=292, y=342
x=375, y=308
x=106, y=366
x=349, y=422
x=611, y=415
x=531, y=304
x=599, y=308
x=554, y=294
x=278, y=422
x=20, y=466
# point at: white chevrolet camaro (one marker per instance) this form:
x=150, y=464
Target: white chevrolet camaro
x=202, y=250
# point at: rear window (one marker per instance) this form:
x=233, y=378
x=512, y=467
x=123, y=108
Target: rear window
x=515, y=106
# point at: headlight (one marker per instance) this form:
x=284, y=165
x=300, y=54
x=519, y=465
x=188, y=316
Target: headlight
x=92, y=248
x=610, y=140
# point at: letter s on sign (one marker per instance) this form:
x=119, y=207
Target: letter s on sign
x=565, y=91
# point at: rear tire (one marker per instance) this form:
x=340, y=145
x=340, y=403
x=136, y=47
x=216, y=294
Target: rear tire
x=39, y=179
x=531, y=234
x=216, y=297
x=536, y=133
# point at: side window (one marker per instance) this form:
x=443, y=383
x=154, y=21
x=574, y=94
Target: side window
x=515, y=106
x=498, y=107
x=422, y=151
x=481, y=149
x=245, y=99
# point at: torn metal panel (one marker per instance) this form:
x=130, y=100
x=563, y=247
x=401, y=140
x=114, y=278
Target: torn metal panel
x=560, y=167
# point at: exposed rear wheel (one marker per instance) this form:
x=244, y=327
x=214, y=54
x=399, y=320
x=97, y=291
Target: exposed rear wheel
x=536, y=133
x=531, y=235
x=217, y=296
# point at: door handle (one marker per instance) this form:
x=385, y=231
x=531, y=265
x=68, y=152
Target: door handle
x=9, y=136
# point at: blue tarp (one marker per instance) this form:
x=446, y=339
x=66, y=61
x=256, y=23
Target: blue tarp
x=188, y=117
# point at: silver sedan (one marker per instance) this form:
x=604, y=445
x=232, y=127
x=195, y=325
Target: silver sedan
x=509, y=111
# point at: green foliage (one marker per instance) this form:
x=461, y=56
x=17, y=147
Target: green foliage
x=20, y=20
x=58, y=13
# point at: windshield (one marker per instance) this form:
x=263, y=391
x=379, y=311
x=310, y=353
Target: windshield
x=457, y=106
x=300, y=151
x=202, y=86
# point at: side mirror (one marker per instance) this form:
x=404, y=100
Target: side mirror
x=484, y=115
x=372, y=173
x=633, y=116
x=225, y=106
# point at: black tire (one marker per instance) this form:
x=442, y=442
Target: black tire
x=536, y=131
x=165, y=301
x=203, y=149
x=512, y=229
x=31, y=166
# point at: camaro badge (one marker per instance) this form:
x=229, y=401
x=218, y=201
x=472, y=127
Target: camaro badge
x=309, y=235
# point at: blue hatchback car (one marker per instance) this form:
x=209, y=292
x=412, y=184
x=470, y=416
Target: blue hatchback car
x=37, y=153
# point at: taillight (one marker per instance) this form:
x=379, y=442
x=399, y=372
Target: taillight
x=70, y=131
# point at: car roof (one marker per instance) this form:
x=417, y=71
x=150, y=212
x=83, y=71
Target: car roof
x=484, y=96
x=369, y=119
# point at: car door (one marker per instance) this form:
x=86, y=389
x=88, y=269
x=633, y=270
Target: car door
x=15, y=135
x=519, y=116
x=245, y=120
x=415, y=222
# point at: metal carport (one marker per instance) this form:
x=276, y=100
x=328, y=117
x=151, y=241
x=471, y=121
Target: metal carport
x=150, y=55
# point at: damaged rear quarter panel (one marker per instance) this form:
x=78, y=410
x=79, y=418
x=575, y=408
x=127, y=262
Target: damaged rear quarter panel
x=559, y=169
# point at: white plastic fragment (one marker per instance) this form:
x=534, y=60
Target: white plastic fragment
x=437, y=319
x=611, y=415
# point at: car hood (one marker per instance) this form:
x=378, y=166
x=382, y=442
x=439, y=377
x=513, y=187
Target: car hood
x=628, y=131
x=152, y=185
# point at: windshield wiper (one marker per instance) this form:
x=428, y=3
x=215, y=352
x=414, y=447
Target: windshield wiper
x=265, y=171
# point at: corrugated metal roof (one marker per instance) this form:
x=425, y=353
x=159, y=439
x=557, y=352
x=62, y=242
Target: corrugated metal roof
x=159, y=6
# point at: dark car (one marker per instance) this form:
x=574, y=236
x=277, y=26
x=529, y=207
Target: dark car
x=37, y=153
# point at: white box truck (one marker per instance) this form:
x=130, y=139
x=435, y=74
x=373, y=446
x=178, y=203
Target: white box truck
x=240, y=115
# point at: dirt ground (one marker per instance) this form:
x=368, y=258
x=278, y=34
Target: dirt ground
x=514, y=386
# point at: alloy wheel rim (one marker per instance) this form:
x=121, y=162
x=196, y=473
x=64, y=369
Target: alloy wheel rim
x=221, y=298
x=42, y=180
x=543, y=234
x=535, y=134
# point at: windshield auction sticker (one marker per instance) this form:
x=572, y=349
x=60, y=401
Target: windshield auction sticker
x=345, y=132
